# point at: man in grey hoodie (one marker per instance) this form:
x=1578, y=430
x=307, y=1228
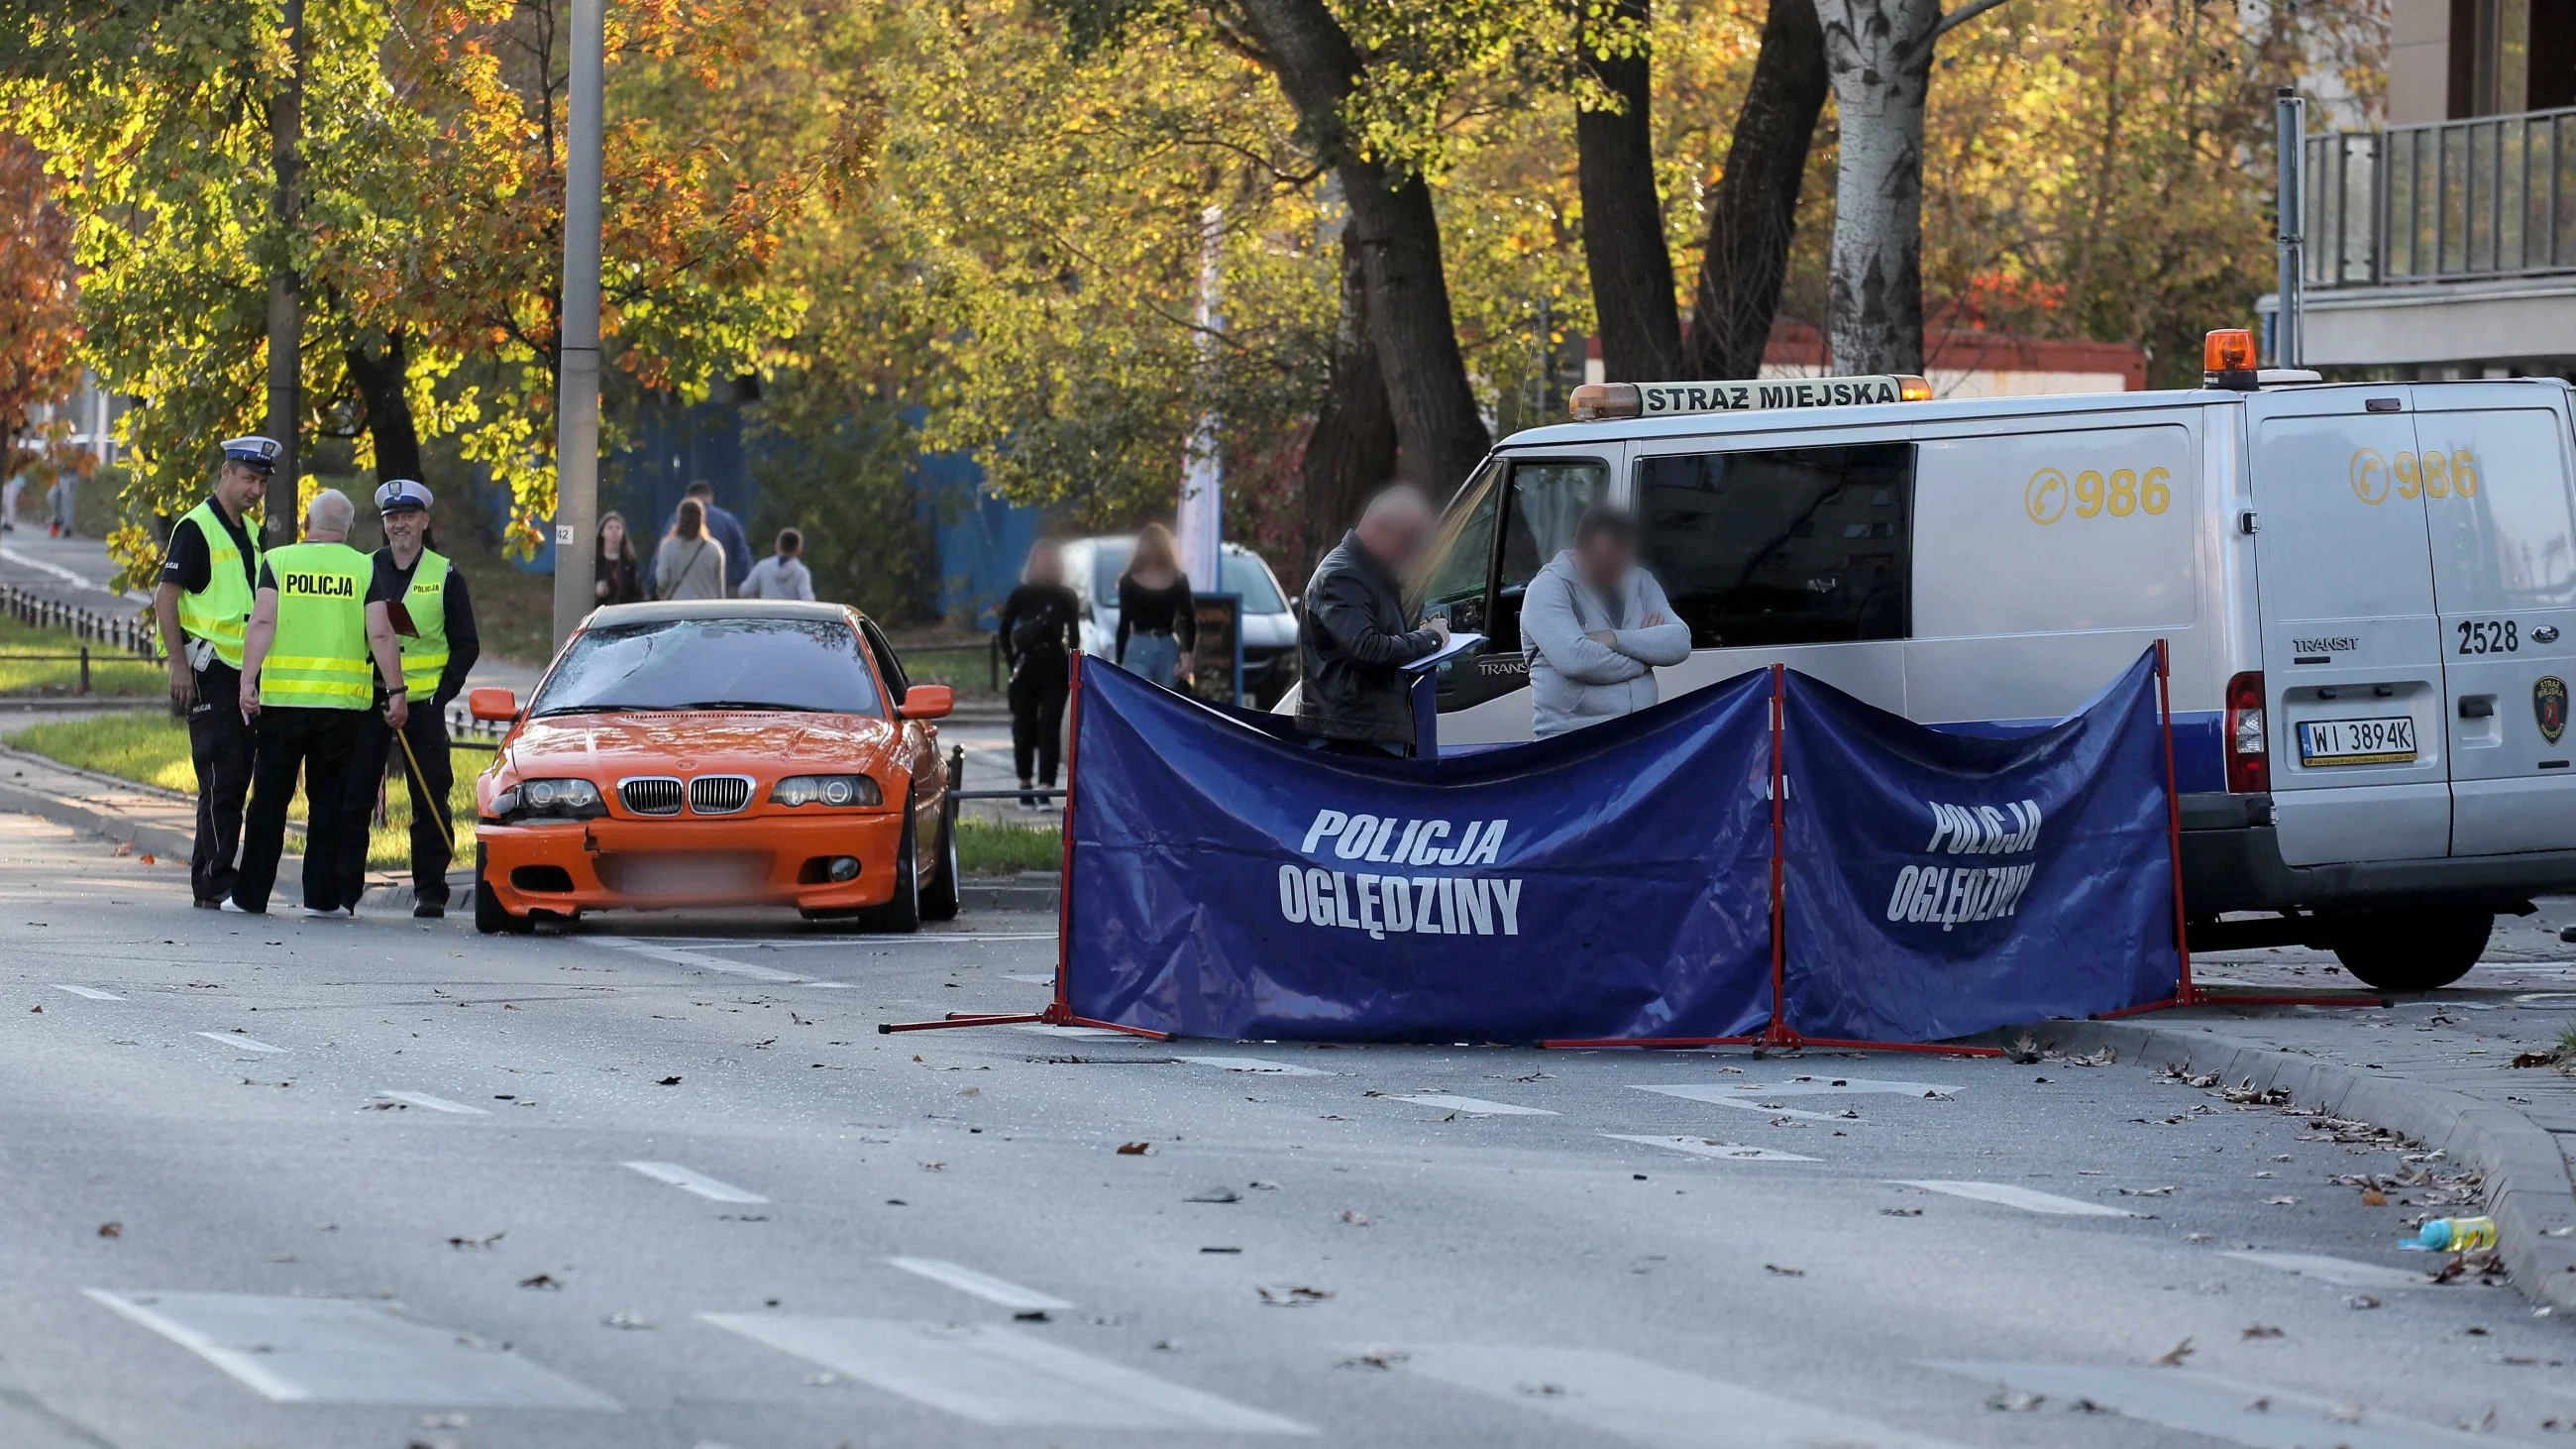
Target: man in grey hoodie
x=1594, y=626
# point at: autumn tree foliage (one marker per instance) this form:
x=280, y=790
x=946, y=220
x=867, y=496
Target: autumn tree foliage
x=39, y=331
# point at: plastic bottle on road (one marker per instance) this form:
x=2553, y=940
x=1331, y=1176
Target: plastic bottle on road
x=2453, y=1235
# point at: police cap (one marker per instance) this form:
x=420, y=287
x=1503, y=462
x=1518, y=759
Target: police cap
x=253, y=452
x=402, y=495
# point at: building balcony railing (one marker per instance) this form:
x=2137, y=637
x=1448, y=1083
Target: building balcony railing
x=2492, y=196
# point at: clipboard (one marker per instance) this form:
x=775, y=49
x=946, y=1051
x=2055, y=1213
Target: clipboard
x=396, y=611
x=1458, y=644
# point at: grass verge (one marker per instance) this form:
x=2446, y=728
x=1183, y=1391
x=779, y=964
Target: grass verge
x=986, y=847
x=153, y=750
x=966, y=668
x=110, y=672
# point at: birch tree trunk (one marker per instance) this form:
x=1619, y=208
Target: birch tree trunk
x=1878, y=55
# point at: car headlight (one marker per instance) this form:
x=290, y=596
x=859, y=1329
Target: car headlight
x=798, y=790
x=551, y=799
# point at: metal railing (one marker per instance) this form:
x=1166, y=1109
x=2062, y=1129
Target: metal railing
x=126, y=633
x=2490, y=196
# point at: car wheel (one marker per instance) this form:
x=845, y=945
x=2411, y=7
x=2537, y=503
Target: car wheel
x=489, y=916
x=902, y=915
x=939, y=898
x=2412, y=950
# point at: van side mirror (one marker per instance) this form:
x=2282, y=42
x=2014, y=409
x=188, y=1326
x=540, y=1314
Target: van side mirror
x=928, y=701
x=496, y=706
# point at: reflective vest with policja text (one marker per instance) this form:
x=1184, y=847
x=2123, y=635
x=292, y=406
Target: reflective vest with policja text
x=219, y=613
x=424, y=652
x=319, y=658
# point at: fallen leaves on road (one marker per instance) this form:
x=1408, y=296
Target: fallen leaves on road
x=627, y=1320
x=2173, y=1357
x=1355, y=1217
x=1782, y=1271
x=1292, y=1296
x=542, y=1282
x=111, y=1230
x=124, y=848
x=1031, y=1315
x=38, y=1009
x=1215, y=1195
x=478, y=1242
x=2165, y=1191
x=2536, y=1059
x=2260, y=1330
x=1900, y=1212
x=2280, y=1202
x=2011, y=1402
x=2373, y=1197
x=668, y=1082
x=1375, y=1358
x=2361, y=1300
x=1134, y=1149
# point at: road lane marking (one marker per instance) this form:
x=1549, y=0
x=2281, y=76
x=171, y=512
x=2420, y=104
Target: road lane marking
x=696, y=1182
x=1726, y=1097
x=2027, y=1199
x=983, y=1285
x=78, y=581
x=435, y=1104
x=1477, y=1105
x=2344, y=1272
x=236, y=1039
x=699, y=960
x=1813, y=1086
x=2199, y=1403
x=91, y=992
x=1261, y=1066
x=339, y=1351
x=1711, y=1147
x=998, y=1376
x=1601, y=1392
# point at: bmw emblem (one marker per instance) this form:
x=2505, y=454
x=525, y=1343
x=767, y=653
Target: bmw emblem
x=2549, y=705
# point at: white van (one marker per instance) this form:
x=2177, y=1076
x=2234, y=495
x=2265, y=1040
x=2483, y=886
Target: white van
x=2370, y=593
x=1092, y=567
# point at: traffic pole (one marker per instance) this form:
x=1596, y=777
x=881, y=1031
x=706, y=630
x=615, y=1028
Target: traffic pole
x=577, y=364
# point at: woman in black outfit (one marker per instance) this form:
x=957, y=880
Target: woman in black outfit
x=1041, y=629
x=620, y=578
x=1158, y=629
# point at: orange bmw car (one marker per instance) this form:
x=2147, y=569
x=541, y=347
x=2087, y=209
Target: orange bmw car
x=717, y=753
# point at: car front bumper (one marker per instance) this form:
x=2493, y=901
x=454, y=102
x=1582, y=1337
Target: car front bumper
x=619, y=864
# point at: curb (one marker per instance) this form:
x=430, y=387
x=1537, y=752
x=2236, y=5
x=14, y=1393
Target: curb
x=2527, y=1182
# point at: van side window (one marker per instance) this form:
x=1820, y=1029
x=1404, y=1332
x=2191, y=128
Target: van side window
x=1792, y=546
x=1547, y=498
x=1452, y=582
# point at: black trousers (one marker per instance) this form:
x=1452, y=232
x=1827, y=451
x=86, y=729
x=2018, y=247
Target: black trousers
x=219, y=744
x=1037, y=719
x=314, y=743
x=427, y=731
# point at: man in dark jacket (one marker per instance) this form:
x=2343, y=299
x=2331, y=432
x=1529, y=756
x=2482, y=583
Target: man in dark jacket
x=1353, y=642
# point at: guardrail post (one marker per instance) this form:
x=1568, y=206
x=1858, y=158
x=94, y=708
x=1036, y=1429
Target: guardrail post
x=84, y=684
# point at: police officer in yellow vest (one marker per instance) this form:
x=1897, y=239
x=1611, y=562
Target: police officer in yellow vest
x=435, y=625
x=208, y=583
x=306, y=683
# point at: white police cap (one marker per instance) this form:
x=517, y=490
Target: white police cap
x=400, y=495
x=253, y=451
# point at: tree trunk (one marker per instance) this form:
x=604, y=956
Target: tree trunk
x=1391, y=217
x=285, y=287
x=381, y=382
x=1623, y=214
x=1754, y=213
x=1352, y=448
x=1878, y=54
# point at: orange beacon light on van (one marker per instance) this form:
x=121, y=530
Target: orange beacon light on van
x=2227, y=358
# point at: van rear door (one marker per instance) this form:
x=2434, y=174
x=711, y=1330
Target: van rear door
x=2352, y=661
x=2492, y=466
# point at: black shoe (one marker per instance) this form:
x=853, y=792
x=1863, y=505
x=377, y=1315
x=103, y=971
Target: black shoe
x=208, y=903
x=430, y=911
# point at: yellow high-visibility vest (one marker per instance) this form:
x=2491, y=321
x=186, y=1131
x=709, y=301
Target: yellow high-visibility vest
x=220, y=612
x=319, y=658
x=424, y=654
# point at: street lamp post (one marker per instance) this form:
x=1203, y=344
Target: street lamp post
x=577, y=364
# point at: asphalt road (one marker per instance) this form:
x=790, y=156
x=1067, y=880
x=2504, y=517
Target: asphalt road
x=660, y=1183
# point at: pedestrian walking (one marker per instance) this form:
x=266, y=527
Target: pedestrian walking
x=1353, y=642
x=726, y=529
x=432, y=616
x=304, y=681
x=65, y=495
x=689, y=564
x=782, y=575
x=1595, y=626
x=9, y=492
x=1041, y=631
x=209, y=585
x=619, y=579
x=1158, y=624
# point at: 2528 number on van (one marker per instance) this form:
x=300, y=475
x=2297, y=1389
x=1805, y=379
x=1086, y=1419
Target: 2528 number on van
x=2489, y=636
